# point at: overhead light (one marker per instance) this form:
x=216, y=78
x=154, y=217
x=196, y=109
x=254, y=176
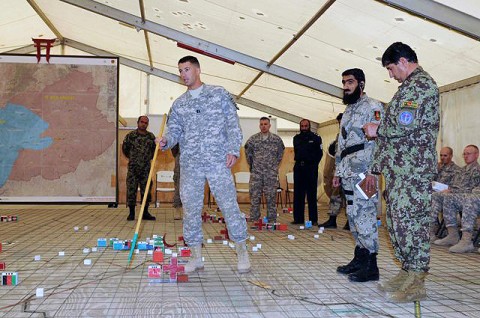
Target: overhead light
x=197, y=50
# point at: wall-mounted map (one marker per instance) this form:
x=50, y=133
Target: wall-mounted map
x=58, y=129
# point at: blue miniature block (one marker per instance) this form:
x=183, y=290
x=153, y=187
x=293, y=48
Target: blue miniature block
x=118, y=245
x=308, y=224
x=265, y=219
x=102, y=242
x=142, y=246
x=149, y=247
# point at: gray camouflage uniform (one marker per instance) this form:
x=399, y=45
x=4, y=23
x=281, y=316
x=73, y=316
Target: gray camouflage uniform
x=264, y=157
x=467, y=178
x=139, y=149
x=407, y=157
x=207, y=129
x=361, y=213
x=446, y=173
x=468, y=203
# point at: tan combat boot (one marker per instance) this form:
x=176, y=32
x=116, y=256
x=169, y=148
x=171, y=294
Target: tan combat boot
x=413, y=289
x=465, y=245
x=242, y=254
x=195, y=263
x=394, y=283
x=451, y=239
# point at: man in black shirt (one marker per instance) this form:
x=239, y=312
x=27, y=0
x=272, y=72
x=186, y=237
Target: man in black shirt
x=308, y=151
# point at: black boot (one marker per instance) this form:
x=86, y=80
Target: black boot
x=346, y=226
x=354, y=264
x=369, y=270
x=131, y=216
x=331, y=223
x=147, y=216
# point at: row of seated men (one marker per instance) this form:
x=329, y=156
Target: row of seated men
x=462, y=197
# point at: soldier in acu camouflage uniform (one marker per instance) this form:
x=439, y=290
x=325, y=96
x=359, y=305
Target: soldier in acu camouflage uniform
x=264, y=152
x=205, y=123
x=354, y=157
x=407, y=158
x=447, y=169
x=139, y=147
x=469, y=204
x=451, y=200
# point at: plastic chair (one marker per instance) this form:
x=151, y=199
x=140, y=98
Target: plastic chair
x=163, y=178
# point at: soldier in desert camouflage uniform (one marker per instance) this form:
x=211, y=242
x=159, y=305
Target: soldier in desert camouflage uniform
x=335, y=195
x=407, y=158
x=451, y=200
x=139, y=147
x=205, y=123
x=354, y=156
x=264, y=152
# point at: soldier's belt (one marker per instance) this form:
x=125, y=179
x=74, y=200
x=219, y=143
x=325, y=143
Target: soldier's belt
x=352, y=149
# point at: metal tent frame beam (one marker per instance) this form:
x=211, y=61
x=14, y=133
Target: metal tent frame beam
x=207, y=47
x=441, y=14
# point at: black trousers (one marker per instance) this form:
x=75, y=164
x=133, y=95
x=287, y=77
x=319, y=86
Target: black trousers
x=305, y=178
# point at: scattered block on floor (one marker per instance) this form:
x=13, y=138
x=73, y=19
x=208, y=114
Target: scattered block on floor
x=9, y=278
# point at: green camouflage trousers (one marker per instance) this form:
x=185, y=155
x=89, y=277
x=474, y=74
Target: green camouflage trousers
x=408, y=208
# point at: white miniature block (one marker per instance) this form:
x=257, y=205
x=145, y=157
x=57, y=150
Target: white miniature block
x=320, y=231
x=174, y=255
x=86, y=250
x=137, y=251
x=203, y=259
x=316, y=236
x=150, y=252
x=87, y=262
x=39, y=292
x=75, y=228
x=231, y=245
x=321, y=228
x=291, y=237
x=155, y=236
x=252, y=238
x=254, y=249
x=168, y=251
x=302, y=227
x=37, y=257
x=85, y=228
x=209, y=241
x=94, y=249
x=225, y=242
x=259, y=246
x=61, y=253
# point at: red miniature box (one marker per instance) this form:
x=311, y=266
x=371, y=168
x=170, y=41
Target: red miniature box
x=185, y=253
x=158, y=256
x=282, y=227
x=182, y=278
x=2, y=265
x=180, y=238
x=218, y=238
x=0, y=247
x=154, y=271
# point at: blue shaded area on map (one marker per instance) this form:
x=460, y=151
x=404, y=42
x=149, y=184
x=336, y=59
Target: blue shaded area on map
x=20, y=129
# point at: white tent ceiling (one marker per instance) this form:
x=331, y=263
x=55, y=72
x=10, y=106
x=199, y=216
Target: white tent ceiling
x=297, y=49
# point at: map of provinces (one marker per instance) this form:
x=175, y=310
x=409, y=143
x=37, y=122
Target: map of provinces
x=55, y=118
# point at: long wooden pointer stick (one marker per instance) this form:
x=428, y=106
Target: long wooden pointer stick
x=147, y=188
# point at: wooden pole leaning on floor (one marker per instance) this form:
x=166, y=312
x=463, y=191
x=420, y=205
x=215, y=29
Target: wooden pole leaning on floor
x=145, y=195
